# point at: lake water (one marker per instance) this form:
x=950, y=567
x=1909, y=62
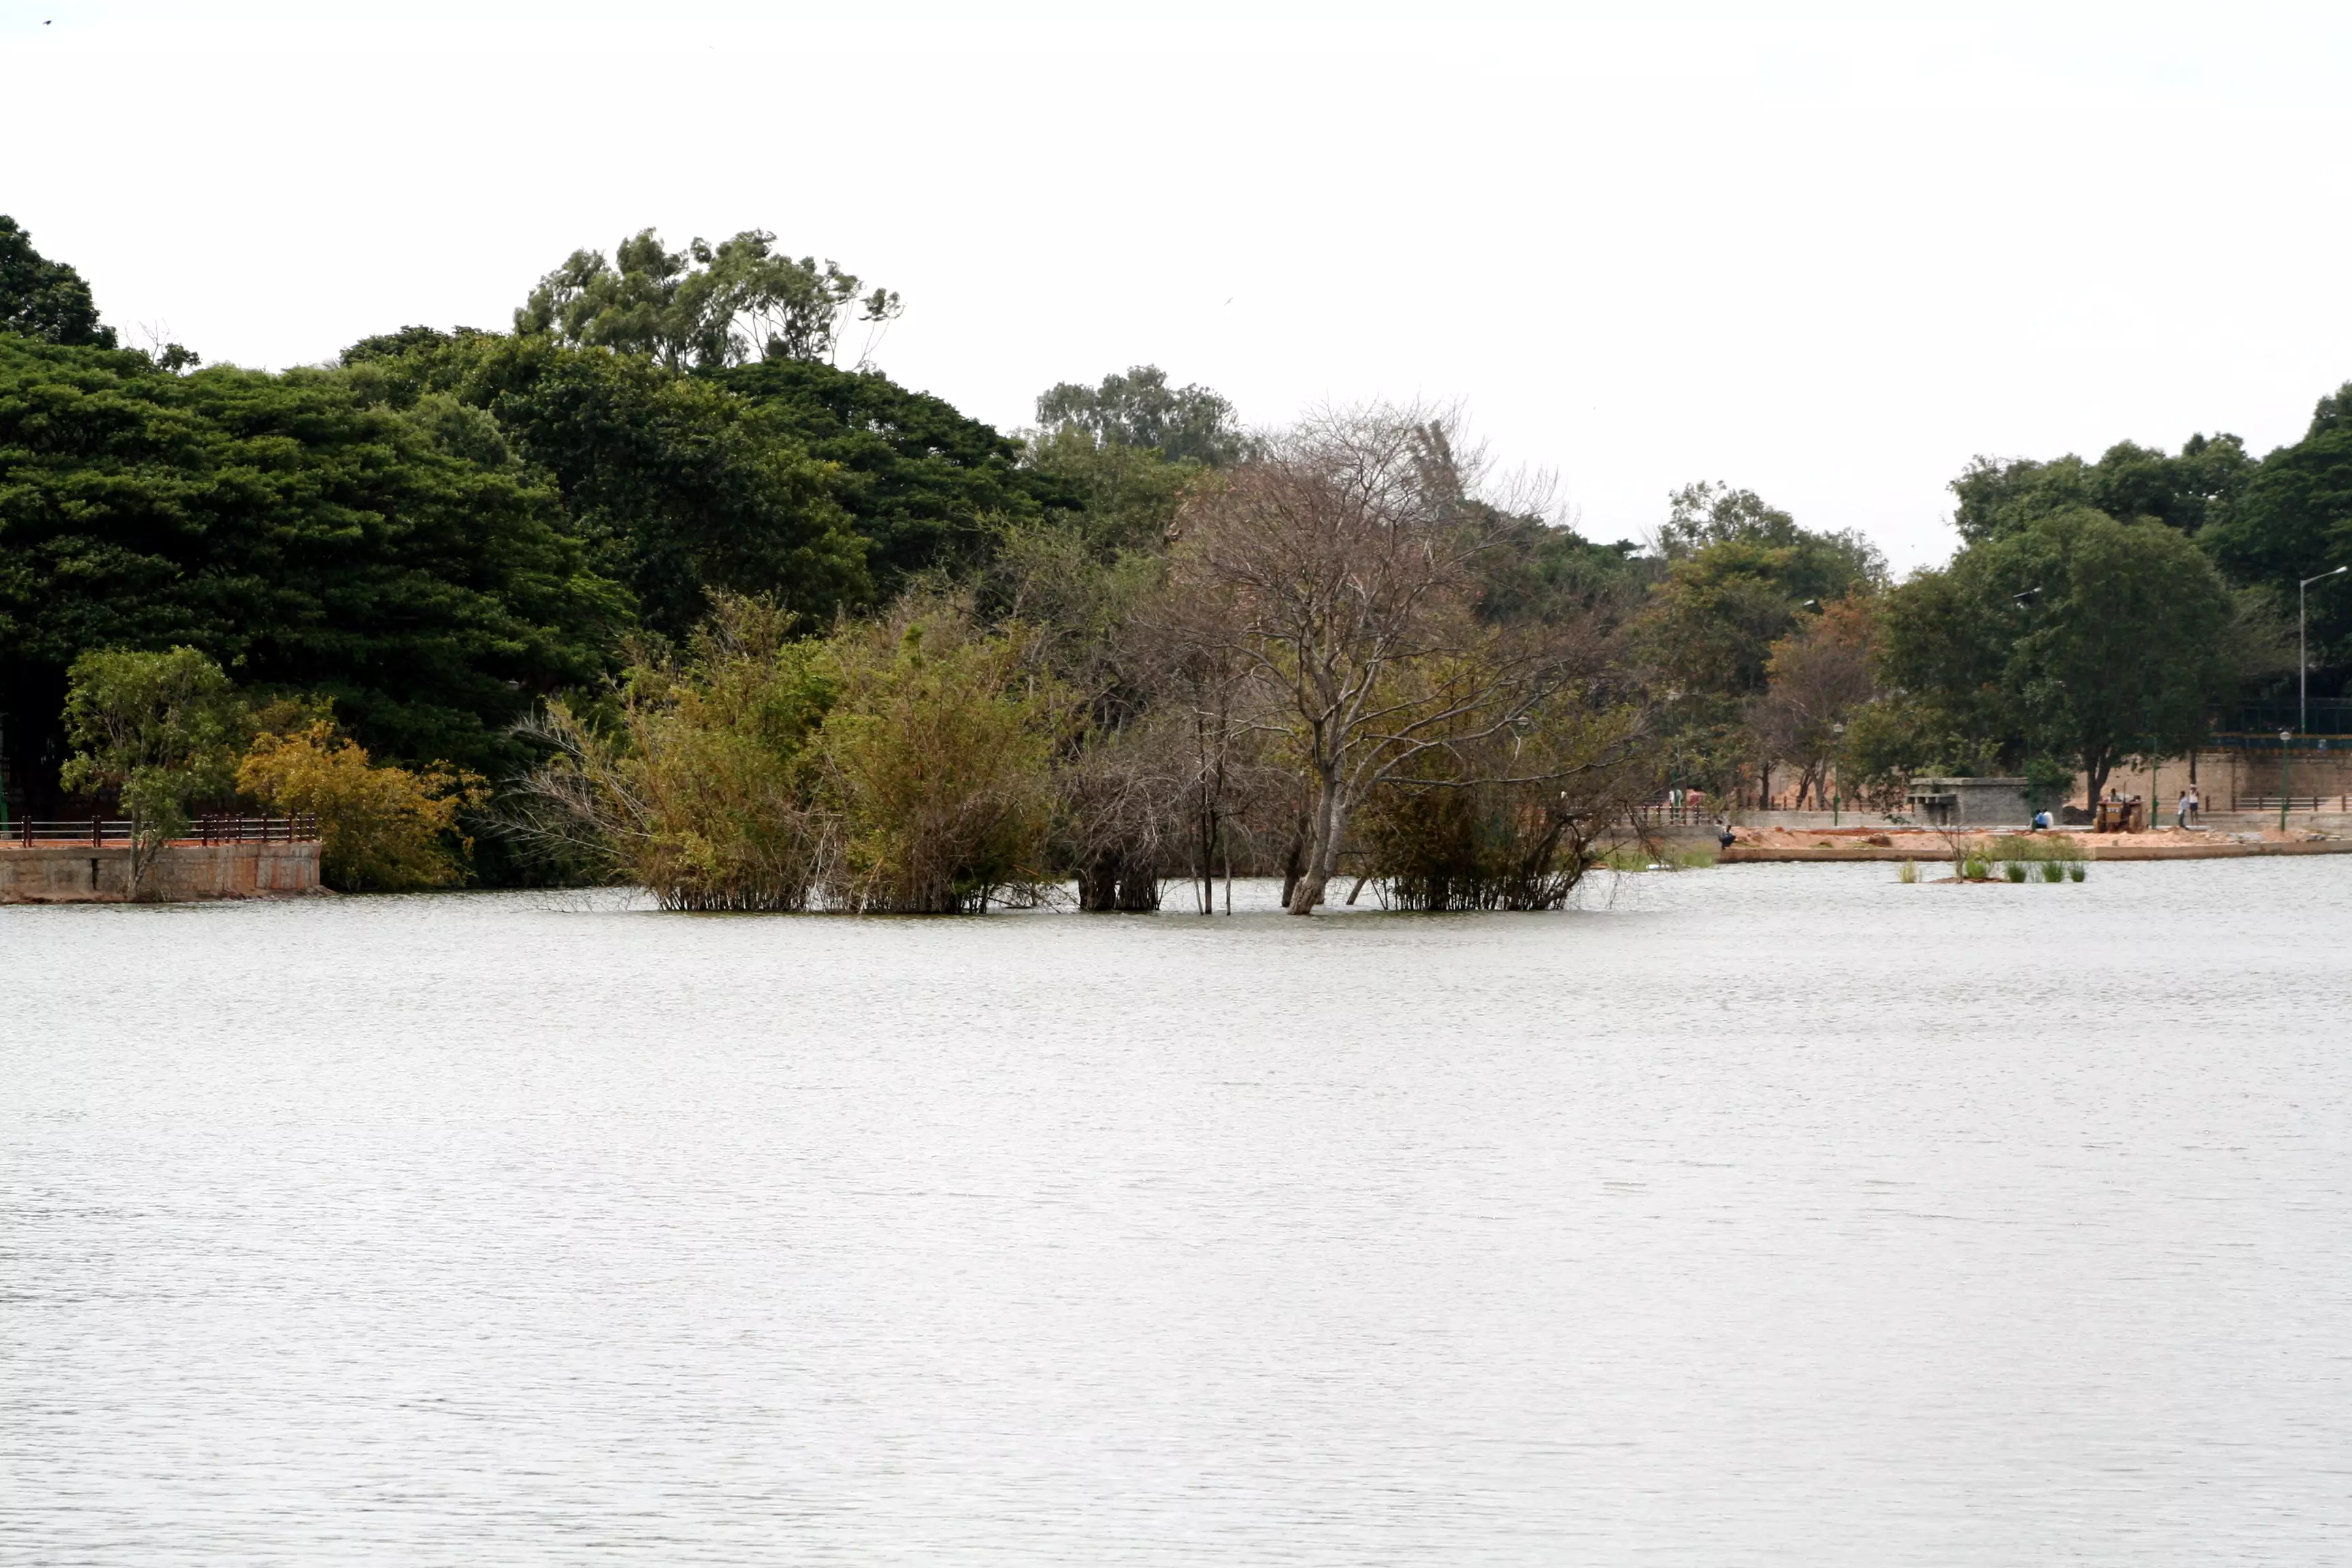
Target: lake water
x=1765, y=1215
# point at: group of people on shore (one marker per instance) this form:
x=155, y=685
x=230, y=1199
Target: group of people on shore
x=2121, y=813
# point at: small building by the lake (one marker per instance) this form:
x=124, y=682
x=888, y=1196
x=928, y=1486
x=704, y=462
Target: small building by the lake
x=1968, y=803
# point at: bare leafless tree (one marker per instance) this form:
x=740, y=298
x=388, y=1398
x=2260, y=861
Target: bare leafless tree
x=1343, y=556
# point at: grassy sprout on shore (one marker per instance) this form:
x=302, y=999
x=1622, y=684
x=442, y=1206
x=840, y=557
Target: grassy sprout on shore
x=1908, y=872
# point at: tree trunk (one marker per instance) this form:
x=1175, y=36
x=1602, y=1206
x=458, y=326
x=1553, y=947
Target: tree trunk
x=1138, y=888
x=1098, y=883
x=1119, y=880
x=1323, y=850
x=2101, y=768
x=146, y=848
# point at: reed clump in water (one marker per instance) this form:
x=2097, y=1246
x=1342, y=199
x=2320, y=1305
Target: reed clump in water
x=2054, y=857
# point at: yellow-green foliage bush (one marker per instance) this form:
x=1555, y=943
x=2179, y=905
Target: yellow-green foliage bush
x=717, y=761
x=381, y=829
x=903, y=767
x=698, y=787
x=938, y=758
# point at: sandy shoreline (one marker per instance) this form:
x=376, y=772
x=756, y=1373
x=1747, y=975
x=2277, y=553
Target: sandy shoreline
x=1783, y=844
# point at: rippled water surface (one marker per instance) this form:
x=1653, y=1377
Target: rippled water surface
x=1768, y=1214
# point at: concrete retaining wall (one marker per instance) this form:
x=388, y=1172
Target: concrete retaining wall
x=1928, y=850
x=80, y=874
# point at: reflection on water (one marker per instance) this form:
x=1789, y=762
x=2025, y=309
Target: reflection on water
x=1771, y=1215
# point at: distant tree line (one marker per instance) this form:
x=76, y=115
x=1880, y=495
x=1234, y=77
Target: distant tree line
x=708, y=611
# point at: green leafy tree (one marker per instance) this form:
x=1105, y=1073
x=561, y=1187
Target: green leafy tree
x=1141, y=409
x=157, y=730
x=1126, y=497
x=44, y=299
x=680, y=489
x=294, y=534
x=1740, y=576
x=1545, y=572
x=706, y=306
x=789, y=480
x=2293, y=521
x=929, y=489
x=2188, y=492
x=2074, y=637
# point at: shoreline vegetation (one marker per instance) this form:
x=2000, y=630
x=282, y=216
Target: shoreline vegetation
x=649, y=589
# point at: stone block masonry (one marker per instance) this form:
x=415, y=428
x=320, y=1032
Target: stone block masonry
x=101, y=874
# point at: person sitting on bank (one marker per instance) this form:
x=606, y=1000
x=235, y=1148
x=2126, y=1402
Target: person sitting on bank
x=1723, y=833
x=2041, y=820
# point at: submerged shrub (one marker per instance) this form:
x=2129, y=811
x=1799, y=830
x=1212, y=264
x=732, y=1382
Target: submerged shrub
x=901, y=768
x=2074, y=871
x=938, y=761
x=1512, y=821
x=698, y=788
x=1908, y=873
x=2052, y=871
x=2013, y=869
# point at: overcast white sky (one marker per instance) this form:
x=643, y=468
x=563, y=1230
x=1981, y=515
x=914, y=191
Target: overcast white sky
x=1824, y=251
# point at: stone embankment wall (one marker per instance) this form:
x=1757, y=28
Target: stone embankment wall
x=84, y=874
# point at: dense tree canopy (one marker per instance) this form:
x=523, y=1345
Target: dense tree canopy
x=2293, y=520
x=2188, y=491
x=42, y=299
x=706, y=306
x=447, y=527
x=1141, y=409
x=292, y=532
x=927, y=487
x=677, y=487
x=2073, y=636
x=1739, y=577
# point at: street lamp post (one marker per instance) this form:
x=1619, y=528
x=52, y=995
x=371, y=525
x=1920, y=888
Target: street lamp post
x=2286, y=756
x=2303, y=650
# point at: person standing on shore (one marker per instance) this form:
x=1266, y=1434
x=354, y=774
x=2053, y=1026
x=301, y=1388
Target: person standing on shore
x=2180, y=816
x=2195, y=804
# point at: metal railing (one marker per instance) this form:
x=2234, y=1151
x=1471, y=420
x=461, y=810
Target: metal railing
x=31, y=833
x=211, y=829
x=2272, y=741
x=2293, y=803
x=97, y=832
x=2320, y=717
